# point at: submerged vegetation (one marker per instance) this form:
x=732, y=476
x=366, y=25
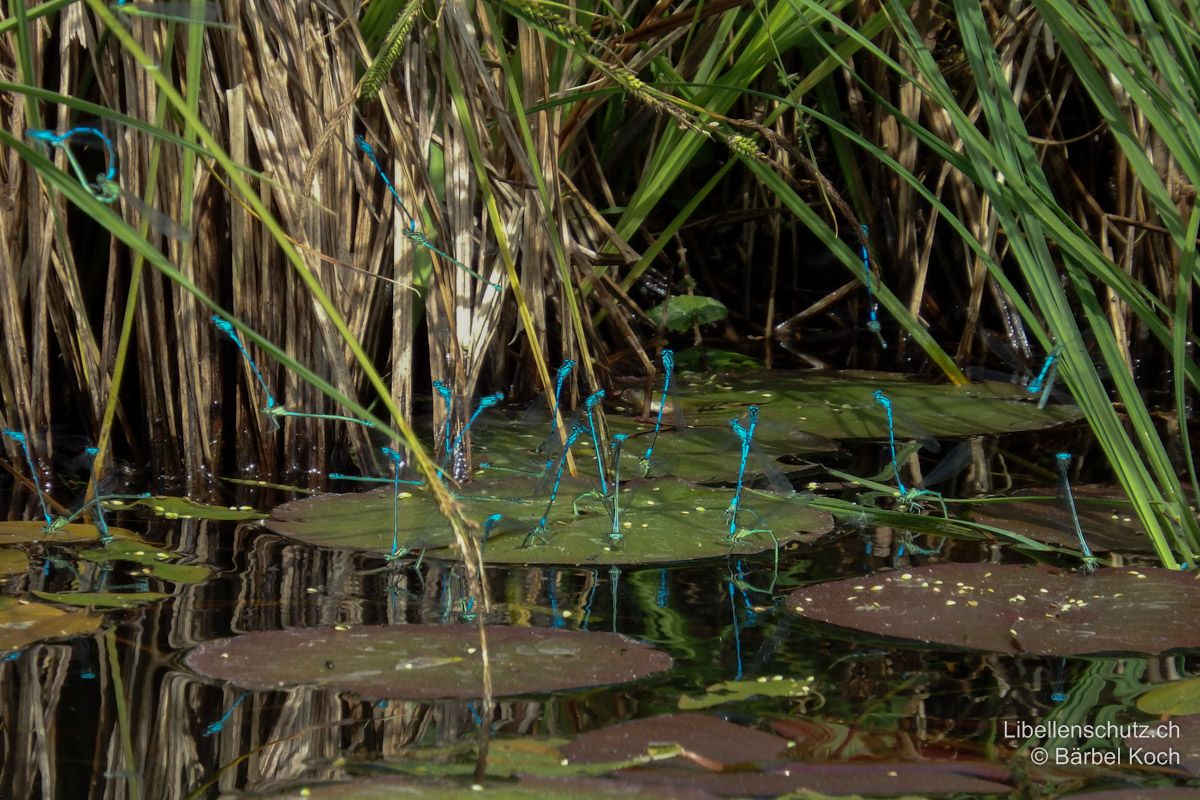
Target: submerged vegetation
x=277, y=244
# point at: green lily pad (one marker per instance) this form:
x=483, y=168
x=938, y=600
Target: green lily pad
x=186, y=508
x=156, y=561
x=1175, y=699
x=23, y=622
x=426, y=662
x=101, y=599
x=1009, y=608
x=684, y=311
x=25, y=531
x=735, y=691
x=13, y=562
x=841, y=406
x=661, y=521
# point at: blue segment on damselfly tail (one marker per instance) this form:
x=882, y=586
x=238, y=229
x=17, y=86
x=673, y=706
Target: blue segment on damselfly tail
x=272, y=409
x=411, y=232
x=884, y=401
x=737, y=634
x=226, y=327
x=872, y=304
x=19, y=438
x=1050, y=363
x=489, y=524
x=539, y=531
x=206, y=13
x=668, y=362
x=589, y=408
x=448, y=406
x=560, y=380
x=1042, y=381
x=397, y=461
x=490, y=401
x=105, y=187
x=745, y=434
x=214, y=728
x=101, y=525
x=101, y=187
x=1058, y=692
x=1068, y=499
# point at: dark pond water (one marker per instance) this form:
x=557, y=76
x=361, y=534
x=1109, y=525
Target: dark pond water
x=118, y=714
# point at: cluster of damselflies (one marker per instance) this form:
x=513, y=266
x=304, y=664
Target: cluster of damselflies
x=93, y=507
x=913, y=498
x=743, y=426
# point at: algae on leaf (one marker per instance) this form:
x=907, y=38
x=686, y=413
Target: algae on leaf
x=1010, y=608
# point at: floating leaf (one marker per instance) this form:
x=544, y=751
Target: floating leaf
x=186, y=508
x=839, y=405
x=156, y=561
x=684, y=311
x=13, y=562
x=735, y=691
x=871, y=778
x=1176, y=698
x=102, y=599
x=23, y=622
x=425, y=662
x=712, y=358
x=664, y=521
x=1104, y=513
x=707, y=741
x=1010, y=608
x=283, y=487
x=532, y=788
x=25, y=531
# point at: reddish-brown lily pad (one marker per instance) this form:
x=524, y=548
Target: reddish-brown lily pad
x=1104, y=514
x=426, y=662
x=1016, y=609
x=534, y=788
x=707, y=741
x=870, y=778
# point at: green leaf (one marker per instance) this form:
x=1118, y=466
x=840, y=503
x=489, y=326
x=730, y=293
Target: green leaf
x=662, y=521
x=155, y=560
x=186, y=508
x=13, y=562
x=735, y=691
x=1175, y=699
x=23, y=622
x=685, y=311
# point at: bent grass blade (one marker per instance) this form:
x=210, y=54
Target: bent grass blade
x=868, y=279
x=189, y=13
